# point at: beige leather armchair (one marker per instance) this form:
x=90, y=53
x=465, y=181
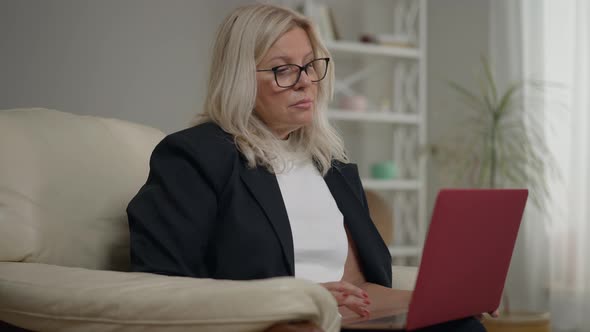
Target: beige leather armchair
x=65, y=181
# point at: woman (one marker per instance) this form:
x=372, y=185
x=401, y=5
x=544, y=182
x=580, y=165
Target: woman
x=261, y=187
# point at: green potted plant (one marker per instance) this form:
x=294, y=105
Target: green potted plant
x=500, y=144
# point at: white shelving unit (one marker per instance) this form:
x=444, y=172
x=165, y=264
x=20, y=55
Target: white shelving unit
x=373, y=184
x=393, y=125
x=374, y=116
x=361, y=48
x=405, y=251
x=405, y=115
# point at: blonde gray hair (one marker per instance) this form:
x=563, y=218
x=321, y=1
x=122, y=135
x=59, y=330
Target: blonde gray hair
x=243, y=39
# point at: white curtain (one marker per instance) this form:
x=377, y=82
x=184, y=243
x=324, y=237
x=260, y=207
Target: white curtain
x=567, y=61
x=515, y=42
x=550, y=40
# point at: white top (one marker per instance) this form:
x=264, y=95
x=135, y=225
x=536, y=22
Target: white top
x=317, y=225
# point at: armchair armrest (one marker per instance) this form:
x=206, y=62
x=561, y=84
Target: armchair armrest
x=404, y=277
x=48, y=298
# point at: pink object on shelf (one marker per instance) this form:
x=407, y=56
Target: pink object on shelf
x=354, y=103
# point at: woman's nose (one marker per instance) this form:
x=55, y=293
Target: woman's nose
x=304, y=80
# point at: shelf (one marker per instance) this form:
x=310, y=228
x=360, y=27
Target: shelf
x=392, y=120
x=372, y=49
x=373, y=116
x=404, y=251
x=390, y=184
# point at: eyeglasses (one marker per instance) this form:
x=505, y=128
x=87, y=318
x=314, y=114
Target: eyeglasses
x=288, y=75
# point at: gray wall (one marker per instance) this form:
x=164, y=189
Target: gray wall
x=147, y=60
x=458, y=34
x=139, y=60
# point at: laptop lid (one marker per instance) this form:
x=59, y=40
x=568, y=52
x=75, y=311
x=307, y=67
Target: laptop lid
x=466, y=255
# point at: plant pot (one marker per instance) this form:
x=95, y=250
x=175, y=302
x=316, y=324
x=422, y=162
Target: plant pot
x=519, y=322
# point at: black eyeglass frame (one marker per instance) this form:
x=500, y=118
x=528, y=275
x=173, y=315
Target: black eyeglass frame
x=301, y=69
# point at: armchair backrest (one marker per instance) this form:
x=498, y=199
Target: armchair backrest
x=65, y=182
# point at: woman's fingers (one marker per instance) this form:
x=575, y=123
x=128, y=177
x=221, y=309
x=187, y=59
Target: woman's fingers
x=494, y=314
x=358, y=305
x=346, y=288
x=339, y=296
x=349, y=295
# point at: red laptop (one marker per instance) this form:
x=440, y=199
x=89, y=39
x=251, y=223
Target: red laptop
x=465, y=259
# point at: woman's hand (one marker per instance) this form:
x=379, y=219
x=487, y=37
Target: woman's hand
x=350, y=296
x=494, y=314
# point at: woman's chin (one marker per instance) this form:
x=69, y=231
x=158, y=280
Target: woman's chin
x=304, y=116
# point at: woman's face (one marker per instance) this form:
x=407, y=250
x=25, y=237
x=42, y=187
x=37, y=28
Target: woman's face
x=285, y=110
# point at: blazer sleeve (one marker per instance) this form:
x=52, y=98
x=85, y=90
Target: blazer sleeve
x=380, y=258
x=355, y=178
x=172, y=215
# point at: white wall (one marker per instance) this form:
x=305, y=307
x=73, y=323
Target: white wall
x=140, y=60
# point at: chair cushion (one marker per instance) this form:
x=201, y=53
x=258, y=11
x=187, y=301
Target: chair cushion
x=44, y=297
x=65, y=182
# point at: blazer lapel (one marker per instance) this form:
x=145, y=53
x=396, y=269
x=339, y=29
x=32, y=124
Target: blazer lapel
x=373, y=253
x=264, y=187
x=348, y=201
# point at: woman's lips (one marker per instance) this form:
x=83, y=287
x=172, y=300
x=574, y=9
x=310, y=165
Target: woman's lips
x=303, y=104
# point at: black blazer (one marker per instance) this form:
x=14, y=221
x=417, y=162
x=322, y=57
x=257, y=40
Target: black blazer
x=203, y=213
